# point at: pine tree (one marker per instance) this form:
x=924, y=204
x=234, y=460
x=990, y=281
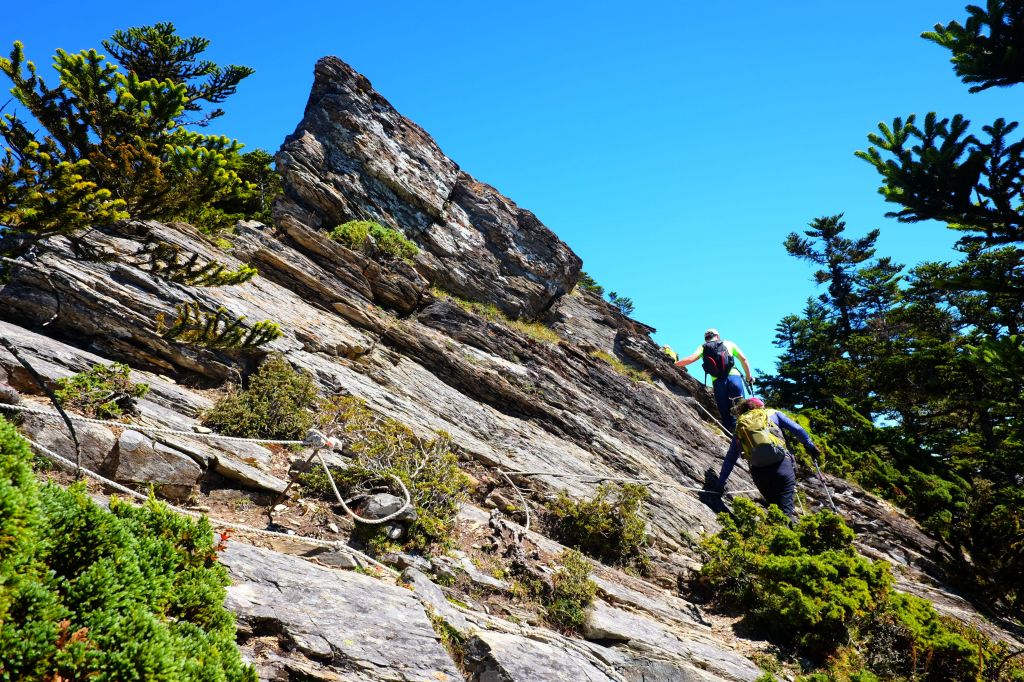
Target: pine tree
x=157, y=52
x=121, y=134
x=986, y=49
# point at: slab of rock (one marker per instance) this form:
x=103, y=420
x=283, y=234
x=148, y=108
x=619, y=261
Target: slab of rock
x=431, y=595
x=140, y=460
x=352, y=625
x=609, y=624
x=505, y=657
x=248, y=475
x=97, y=442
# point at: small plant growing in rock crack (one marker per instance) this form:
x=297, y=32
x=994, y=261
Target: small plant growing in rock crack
x=167, y=260
x=452, y=640
x=571, y=592
x=608, y=527
x=490, y=312
x=279, y=403
x=218, y=329
x=102, y=391
x=361, y=234
x=383, y=447
x=622, y=368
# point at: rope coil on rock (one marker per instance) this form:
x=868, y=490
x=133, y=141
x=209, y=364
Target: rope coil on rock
x=360, y=519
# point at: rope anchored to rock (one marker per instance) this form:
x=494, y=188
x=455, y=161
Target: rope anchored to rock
x=335, y=545
x=314, y=439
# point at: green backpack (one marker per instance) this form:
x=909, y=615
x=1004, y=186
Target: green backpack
x=760, y=438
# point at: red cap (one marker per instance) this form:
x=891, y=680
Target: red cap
x=755, y=403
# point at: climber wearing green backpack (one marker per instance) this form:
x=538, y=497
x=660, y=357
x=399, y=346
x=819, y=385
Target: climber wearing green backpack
x=759, y=436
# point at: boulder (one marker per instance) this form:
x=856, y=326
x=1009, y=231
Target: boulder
x=9, y=395
x=354, y=626
x=96, y=442
x=384, y=504
x=140, y=460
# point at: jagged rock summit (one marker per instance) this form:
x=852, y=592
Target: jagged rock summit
x=378, y=329
x=353, y=157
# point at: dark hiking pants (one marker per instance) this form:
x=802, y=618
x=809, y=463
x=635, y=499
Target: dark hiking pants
x=777, y=483
x=726, y=390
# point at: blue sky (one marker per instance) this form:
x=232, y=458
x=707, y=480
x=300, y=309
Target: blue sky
x=673, y=146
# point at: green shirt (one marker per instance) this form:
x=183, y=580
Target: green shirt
x=733, y=349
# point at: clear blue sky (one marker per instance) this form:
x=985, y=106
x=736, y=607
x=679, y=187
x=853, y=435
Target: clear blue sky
x=672, y=146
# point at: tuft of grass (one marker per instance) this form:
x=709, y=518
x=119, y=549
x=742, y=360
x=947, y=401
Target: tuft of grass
x=362, y=234
x=622, y=368
x=572, y=591
x=278, y=403
x=535, y=330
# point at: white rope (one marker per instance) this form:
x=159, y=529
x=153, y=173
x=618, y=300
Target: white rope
x=598, y=477
x=526, y=507
x=330, y=544
x=149, y=429
x=214, y=436
x=713, y=418
x=341, y=500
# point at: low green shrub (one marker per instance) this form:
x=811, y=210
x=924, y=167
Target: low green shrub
x=278, y=403
x=358, y=234
x=102, y=391
x=631, y=373
x=608, y=527
x=807, y=587
x=128, y=594
x=572, y=592
x=384, y=447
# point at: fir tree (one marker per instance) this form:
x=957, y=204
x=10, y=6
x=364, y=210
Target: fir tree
x=157, y=52
x=120, y=134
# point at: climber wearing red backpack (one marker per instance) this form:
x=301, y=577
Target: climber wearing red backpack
x=720, y=362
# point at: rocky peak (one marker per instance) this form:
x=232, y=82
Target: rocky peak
x=354, y=157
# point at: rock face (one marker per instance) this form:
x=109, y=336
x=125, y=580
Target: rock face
x=554, y=415
x=353, y=157
x=354, y=625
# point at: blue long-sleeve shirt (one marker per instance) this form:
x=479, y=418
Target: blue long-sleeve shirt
x=780, y=420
